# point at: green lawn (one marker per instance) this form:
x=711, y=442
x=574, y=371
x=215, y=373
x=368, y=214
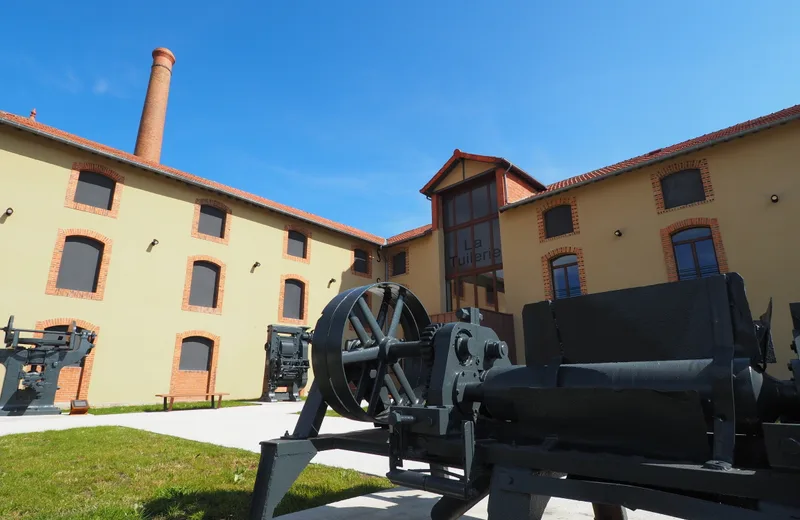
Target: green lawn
x=113, y=473
x=192, y=405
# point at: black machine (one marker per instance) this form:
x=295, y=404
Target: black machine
x=653, y=398
x=31, y=380
x=287, y=361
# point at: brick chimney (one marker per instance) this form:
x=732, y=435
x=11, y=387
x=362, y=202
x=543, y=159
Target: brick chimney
x=154, y=113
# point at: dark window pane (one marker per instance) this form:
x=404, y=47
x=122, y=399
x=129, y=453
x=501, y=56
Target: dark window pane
x=573, y=279
x=205, y=277
x=480, y=201
x=558, y=221
x=690, y=234
x=212, y=221
x=559, y=283
x=360, y=261
x=80, y=264
x=95, y=190
x=196, y=353
x=684, y=259
x=399, y=264
x=451, y=258
x=293, y=295
x=483, y=245
x=683, y=187
x=706, y=257
x=464, y=248
x=297, y=244
x=447, y=209
x=497, y=253
x=493, y=197
x=60, y=332
x=462, y=208
x=564, y=260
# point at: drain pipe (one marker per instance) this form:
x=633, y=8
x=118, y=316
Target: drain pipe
x=385, y=264
x=505, y=183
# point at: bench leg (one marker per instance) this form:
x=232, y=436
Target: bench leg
x=171, y=402
x=165, y=404
x=219, y=402
x=212, y=401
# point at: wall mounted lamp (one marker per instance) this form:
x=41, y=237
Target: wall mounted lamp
x=332, y=280
x=9, y=211
x=257, y=264
x=154, y=242
x=617, y=233
x=774, y=198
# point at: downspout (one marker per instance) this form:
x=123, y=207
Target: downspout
x=385, y=264
x=505, y=184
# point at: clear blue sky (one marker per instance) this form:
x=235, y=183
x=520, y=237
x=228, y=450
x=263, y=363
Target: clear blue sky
x=347, y=108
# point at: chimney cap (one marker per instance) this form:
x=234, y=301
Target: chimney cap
x=163, y=51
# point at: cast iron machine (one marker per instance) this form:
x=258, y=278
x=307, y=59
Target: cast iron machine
x=287, y=361
x=31, y=380
x=653, y=398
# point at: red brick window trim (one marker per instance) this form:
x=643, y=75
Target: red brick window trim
x=226, y=234
x=73, y=382
x=669, y=251
x=72, y=187
x=550, y=204
x=55, y=265
x=547, y=271
x=705, y=175
x=181, y=378
x=306, y=233
x=407, y=267
x=187, y=289
x=353, y=248
x=282, y=295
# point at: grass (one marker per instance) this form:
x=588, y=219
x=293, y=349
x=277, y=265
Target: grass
x=193, y=405
x=115, y=473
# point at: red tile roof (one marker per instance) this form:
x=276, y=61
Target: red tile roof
x=661, y=154
x=408, y=235
x=458, y=155
x=30, y=125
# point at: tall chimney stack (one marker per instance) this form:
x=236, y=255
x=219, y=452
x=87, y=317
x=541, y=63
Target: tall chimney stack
x=154, y=113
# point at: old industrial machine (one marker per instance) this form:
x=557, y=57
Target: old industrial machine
x=33, y=364
x=287, y=361
x=653, y=398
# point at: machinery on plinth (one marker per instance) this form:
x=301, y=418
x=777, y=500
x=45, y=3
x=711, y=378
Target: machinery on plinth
x=653, y=398
x=287, y=361
x=33, y=364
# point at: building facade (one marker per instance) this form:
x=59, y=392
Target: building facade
x=180, y=276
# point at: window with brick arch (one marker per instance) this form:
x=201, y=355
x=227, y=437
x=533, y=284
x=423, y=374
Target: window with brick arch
x=204, y=290
x=79, y=269
x=565, y=276
x=297, y=245
x=293, y=299
x=196, y=354
x=360, y=261
x=695, y=256
x=61, y=332
x=95, y=189
x=212, y=221
x=399, y=264
x=558, y=221
x=473, y=251
x=682, y=188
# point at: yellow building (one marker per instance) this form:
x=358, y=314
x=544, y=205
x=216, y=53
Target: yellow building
x=180, y=276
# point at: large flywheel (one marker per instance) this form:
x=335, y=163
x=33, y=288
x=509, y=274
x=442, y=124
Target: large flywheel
x=382, y=358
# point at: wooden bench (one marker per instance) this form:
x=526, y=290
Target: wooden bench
x=172, y=398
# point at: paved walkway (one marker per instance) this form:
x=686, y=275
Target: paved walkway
x=246, y=426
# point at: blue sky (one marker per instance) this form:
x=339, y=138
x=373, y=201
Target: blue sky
x=345, y=109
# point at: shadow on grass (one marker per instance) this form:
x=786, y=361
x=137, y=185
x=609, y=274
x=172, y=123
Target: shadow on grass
x=174, y=503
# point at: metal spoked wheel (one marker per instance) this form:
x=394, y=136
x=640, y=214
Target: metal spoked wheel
x=385, y=364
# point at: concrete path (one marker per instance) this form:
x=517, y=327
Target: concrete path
x=246, y=426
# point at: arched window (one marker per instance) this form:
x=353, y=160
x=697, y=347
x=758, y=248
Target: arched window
x=399, y=263
x=211, y=221
x=294, y=299
x=204, y=289
x=95, y=189
x=565, y=276
x=196, y=353
x=79, y=269
x=361, y=261
x=558, y=221
x=695, y=256
x=297, y=244
x=682, y=188
x=60, y=332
